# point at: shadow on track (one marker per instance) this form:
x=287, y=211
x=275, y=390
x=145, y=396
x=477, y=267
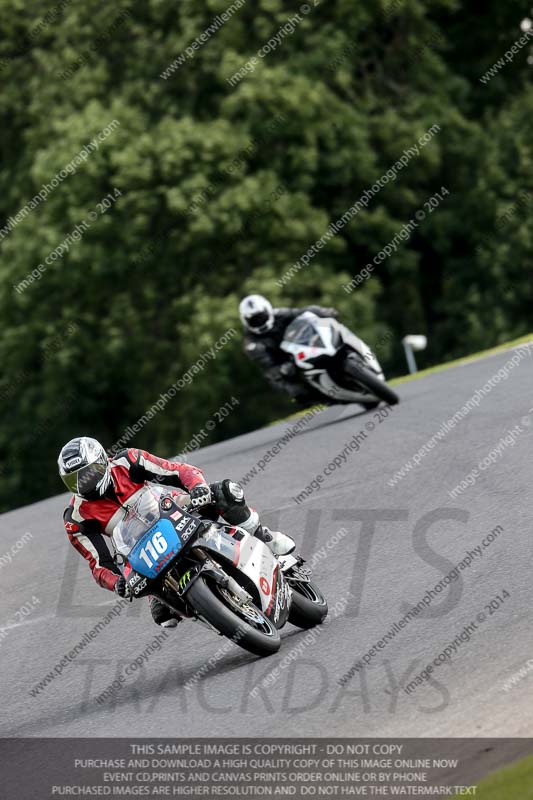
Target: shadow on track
x=170, y=682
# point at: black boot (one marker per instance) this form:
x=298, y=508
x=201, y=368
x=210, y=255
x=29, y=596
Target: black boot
x=162, y=614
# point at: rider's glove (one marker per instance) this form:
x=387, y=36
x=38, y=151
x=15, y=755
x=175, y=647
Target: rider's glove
x=121, y=587
x=200, y=496
x=288, y=370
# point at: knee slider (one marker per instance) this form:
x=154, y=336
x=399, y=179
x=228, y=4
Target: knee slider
x=233, y=492
x=228, y=494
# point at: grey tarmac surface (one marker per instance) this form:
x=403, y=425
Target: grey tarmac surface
x=400, y=541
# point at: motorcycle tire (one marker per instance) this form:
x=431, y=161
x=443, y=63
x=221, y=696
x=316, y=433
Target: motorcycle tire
x=309, y=606
x=216, y=607
x=362, y=375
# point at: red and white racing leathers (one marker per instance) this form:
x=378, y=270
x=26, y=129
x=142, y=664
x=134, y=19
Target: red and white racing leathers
x=88, y=520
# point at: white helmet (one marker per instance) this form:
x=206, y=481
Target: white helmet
x=84, y=466
x=256, y=313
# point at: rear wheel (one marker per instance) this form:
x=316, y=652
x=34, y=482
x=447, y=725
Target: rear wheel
x=309, y=606
x=361, y=375
x=245, y=624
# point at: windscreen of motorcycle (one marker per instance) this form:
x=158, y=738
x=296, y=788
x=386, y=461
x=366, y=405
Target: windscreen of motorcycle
x=309, y=336
x=303, y=331
x=138, y=519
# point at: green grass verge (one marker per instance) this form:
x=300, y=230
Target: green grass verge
x=473, y=357
x=430, y=370
x=511, y=783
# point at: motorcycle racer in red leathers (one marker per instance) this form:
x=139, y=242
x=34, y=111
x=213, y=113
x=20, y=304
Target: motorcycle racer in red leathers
x=102, y=485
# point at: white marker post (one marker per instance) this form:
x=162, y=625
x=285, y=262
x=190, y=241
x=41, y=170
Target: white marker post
x=410, y=344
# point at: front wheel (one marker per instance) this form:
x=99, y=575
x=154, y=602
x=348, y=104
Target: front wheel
x=245, y=625
x=309, y=607
x=363, y=376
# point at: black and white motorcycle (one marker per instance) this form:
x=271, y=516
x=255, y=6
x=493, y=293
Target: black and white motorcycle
x=335, y=363
x=214, y=572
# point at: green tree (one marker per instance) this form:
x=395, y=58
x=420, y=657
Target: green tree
x=218, y=189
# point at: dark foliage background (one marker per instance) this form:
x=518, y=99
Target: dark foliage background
x=156, y=280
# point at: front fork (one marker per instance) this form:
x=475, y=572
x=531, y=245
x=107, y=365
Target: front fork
x=179, y=586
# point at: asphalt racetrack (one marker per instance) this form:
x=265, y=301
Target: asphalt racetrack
x=398, y=542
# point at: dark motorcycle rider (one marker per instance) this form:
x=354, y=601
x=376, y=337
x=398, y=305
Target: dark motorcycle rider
x=264, y=331
x=102, y=486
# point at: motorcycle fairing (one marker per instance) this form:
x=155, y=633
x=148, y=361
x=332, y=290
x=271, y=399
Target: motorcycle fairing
x=332, y=335
x=151, y=564
x=255, y=560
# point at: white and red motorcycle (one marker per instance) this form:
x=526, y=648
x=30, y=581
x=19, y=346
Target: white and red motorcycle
x=213, y=572
x=334, y=363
